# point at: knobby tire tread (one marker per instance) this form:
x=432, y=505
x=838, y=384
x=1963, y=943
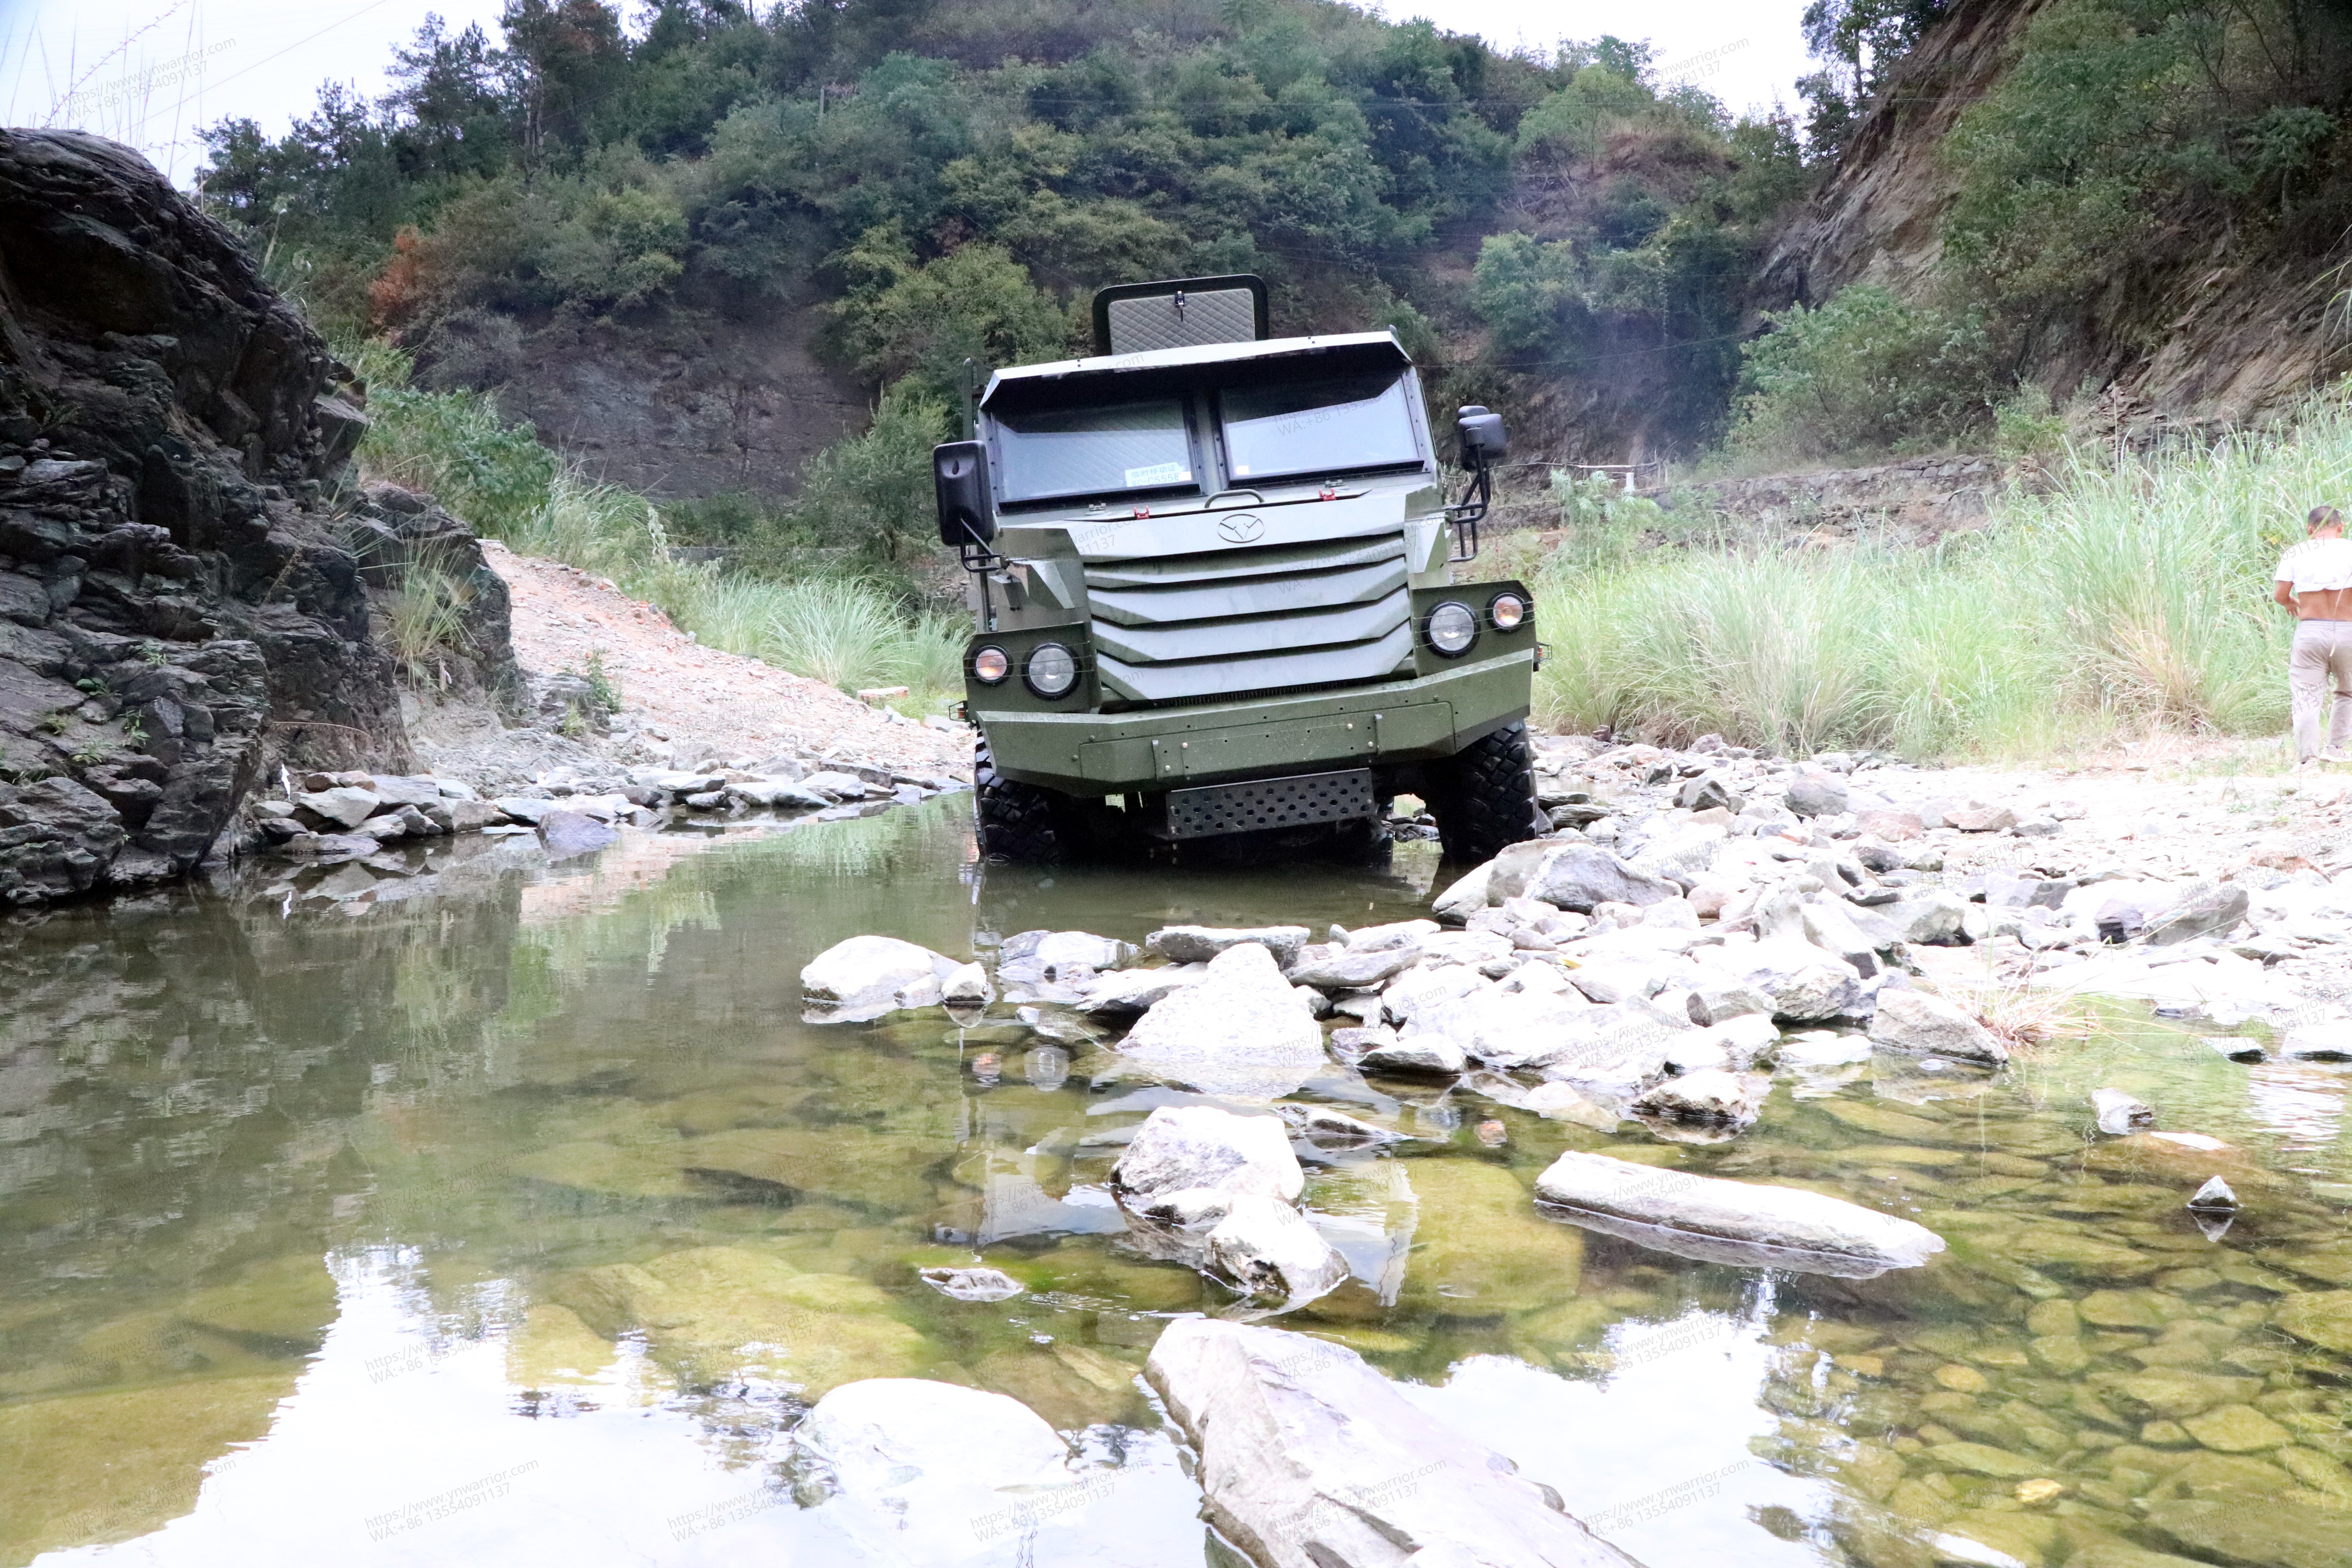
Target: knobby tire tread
x=1487, y=801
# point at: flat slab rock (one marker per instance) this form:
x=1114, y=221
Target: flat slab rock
x=1713, y=1220
x=1310, y=1459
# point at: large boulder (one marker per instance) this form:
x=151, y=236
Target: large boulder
x=185, y=605
x=1182, y=1148
x=1911, y=1020
x=1238, y=1029
x=1816, y=795
x=1129, y=990
x=1308, y=1458
x=1708, y=1218
x=867, y=976
x=1272, y=1254
x=1805, y=984
x=1580, y=876
x=2207, y=912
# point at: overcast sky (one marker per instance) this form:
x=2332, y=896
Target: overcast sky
x=150, y=72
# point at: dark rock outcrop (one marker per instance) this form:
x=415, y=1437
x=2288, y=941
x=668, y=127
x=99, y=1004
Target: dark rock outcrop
x=180, y=606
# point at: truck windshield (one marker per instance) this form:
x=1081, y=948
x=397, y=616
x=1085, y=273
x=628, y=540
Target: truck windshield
x=1318, y=428
x=1093, y=451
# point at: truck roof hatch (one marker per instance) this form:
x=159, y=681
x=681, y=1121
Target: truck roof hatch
x=1178, y=312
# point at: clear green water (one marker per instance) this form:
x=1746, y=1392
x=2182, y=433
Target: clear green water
x=500, y=1228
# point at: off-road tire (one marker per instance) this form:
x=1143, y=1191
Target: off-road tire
x=1019, y=822
x=1483, y=797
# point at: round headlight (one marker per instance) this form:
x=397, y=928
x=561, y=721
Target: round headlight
x=1508, y=611
x=990, y=666
x=1451, y=628
x=1051, y=669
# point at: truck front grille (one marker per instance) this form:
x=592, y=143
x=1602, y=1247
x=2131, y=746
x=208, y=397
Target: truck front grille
x=1181, y=628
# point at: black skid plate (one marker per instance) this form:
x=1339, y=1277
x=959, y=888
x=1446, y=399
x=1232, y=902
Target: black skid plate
x=1293, y=801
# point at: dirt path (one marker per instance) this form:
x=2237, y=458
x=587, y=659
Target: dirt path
x=704, y=704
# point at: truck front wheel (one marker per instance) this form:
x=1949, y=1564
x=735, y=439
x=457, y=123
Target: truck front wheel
x=1483, y=797
x=1019, y=822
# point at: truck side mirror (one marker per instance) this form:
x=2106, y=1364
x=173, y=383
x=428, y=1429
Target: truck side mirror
x=959, y=477
x=1481, y=436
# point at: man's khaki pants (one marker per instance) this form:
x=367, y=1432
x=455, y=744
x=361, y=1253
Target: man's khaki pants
x=2322, y=657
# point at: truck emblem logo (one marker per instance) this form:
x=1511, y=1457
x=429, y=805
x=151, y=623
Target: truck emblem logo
x=1241, y=529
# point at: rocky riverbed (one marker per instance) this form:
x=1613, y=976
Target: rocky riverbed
x=1704, y=930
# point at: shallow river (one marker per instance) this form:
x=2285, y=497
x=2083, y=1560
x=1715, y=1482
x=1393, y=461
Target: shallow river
x=499, y=1227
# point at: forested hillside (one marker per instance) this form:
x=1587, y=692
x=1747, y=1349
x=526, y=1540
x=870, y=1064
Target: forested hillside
x=785, y=214
x=711, y=249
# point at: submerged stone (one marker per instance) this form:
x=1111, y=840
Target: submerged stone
x=553, y=1347
x=2236, y=1429
x=719, y=1313
x=93, y=1468
x=1479, y=1248
x=2322, y=1317
x=2270, y=1533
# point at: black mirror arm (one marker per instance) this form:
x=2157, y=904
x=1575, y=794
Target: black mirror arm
x=1465, y=513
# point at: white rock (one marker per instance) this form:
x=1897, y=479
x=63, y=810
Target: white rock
x=344, y=805
x=968, y=986
x=1609, y=983
x=1271, y=1252
x=867, y=976
x=2213, y=1196
x=1308, y=1458
x=1428, y=985
x=972, y=1284
x=1829, y=928
x=1425, y=1056
x=836, y=785
x=1560, y=1101
x=772, y=793
x=1931, y=918
x=1048, y=954
x=1710, y=1219
x=1198, y=944
x=1237, y=1029
x=1463, y=897
x=1717, y=998
x=1911, y=1020
x=1135, y=990
x=1182, y=1148
x=1331, y=968
x=1707, y=1095
x=1745, y=1039
x=2119, y=1114
x=1804, y=984
x=1392, y=937
x=2330, y=1041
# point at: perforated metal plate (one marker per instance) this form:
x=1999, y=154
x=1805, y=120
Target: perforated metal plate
x=1182, y=320
x=1293, y=801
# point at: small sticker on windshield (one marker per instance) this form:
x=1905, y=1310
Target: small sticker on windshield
x=1159, y=473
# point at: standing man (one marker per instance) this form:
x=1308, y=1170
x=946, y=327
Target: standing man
x=2315, y=581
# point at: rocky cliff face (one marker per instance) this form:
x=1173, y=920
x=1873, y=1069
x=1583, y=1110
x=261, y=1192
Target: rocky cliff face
x=2210, y=340
x=181, y=603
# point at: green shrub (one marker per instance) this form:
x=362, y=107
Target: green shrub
x=869, y=496
x=1863, y=372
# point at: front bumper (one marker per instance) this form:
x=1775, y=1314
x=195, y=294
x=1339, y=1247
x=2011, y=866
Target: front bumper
x=1418, y=720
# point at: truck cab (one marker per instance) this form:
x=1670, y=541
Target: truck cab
x=1215, y=591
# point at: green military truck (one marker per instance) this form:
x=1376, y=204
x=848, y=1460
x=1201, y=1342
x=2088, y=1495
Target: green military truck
x=1213, y=588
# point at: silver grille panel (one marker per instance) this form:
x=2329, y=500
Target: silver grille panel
x=1293, y=801
x=1174, y=628
x=1151, y=321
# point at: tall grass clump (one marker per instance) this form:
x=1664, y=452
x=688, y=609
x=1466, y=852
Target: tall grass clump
x=850, y=631
x=2135, y=597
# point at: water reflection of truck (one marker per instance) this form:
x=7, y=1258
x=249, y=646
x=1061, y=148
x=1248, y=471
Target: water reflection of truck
x=1213, y=581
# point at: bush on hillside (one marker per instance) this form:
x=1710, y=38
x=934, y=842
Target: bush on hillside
x=1865, y=372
